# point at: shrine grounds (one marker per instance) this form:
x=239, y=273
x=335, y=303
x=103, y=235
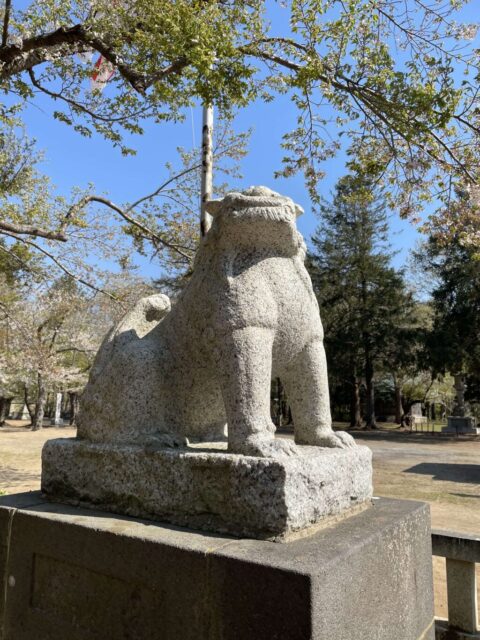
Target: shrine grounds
x=442, y=471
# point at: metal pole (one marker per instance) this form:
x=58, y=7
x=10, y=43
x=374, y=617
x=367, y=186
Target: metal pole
x=207, y=168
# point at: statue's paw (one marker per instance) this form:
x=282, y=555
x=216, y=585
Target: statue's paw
x=274, y=448
x=335, y=440
x=161, y=440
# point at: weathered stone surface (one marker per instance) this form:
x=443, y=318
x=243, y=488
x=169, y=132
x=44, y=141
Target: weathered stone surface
x=462, y=595
x=455, y=545
x=248, y=311
x=86, y=575
x=165, y=376
x=210, y=488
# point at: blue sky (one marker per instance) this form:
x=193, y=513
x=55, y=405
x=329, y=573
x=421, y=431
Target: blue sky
x=71, y=160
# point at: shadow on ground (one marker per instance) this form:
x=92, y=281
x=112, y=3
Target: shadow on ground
x=450, y=472
x=395, y=435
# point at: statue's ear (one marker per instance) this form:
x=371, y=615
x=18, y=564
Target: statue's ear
x=298, y=210
x=213, y=207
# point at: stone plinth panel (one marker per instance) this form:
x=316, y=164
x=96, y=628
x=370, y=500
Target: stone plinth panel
x=209, y=489
x=83, y=575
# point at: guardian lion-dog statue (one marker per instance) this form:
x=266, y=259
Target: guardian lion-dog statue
x=248, y=313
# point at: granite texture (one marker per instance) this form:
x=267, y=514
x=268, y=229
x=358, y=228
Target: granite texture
x=86, y=575
x=462, y=595
x=248, y=312
x=209, y=488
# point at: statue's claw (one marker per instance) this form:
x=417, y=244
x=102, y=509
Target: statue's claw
x=335, y=440
x=155, y=441
x=263, y=448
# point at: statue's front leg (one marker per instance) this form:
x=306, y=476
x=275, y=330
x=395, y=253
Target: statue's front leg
x=306, y=382
x=245, y=376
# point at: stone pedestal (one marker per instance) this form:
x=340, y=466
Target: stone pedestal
x=461, y=424
x=84, y=575
x=210, y=489
x=57, y=420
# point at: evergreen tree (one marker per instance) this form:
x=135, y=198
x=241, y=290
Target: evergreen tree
x=363, y=300
x=453, y=344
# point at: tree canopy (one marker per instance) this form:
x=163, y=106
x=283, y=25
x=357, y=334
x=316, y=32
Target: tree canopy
x=364, y=301
x=453, y=342
x=400, y=79
x=48, y=236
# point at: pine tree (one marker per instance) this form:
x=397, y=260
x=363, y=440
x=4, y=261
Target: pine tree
x=363, y=300
x=453, y=344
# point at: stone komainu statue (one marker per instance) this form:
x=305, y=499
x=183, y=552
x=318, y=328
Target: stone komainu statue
x=248, y=312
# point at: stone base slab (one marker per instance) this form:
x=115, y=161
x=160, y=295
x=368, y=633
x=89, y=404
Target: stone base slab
x=73, y=573
x=460, y=424
x=210, y=489
x=474, y=431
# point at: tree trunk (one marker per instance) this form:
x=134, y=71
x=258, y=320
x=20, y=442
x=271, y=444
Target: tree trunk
x=370, y=420
x=289, y=415
x=48, y=406
x=74, y=406
x=4, y=409
x=37, y=422
x=459, y=382
x=399, y=412
x=65, y=403
x=355, y=407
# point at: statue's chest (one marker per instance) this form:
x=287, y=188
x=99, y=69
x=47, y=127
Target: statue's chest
x=273, y=291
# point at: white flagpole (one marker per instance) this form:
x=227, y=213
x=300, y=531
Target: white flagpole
x=207, y=168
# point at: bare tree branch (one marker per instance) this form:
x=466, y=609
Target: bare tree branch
x=32, y=230
x=163, y=186
x=79, y=106
x=139, y=81
x=283, y=62
x=69, y=40
x=14, y=256
x=61, y=266
x=136, y=223
x=66, y=349
x=368, y=97
x=15, y=58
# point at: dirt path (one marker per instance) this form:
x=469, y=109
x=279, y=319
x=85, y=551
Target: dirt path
x=443, y=472
x=20, y=455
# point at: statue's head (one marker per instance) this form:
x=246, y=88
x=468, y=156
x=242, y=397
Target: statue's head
x=256, y=217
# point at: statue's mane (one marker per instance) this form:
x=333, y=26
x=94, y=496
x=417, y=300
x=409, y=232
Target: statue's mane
x=256, y=203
